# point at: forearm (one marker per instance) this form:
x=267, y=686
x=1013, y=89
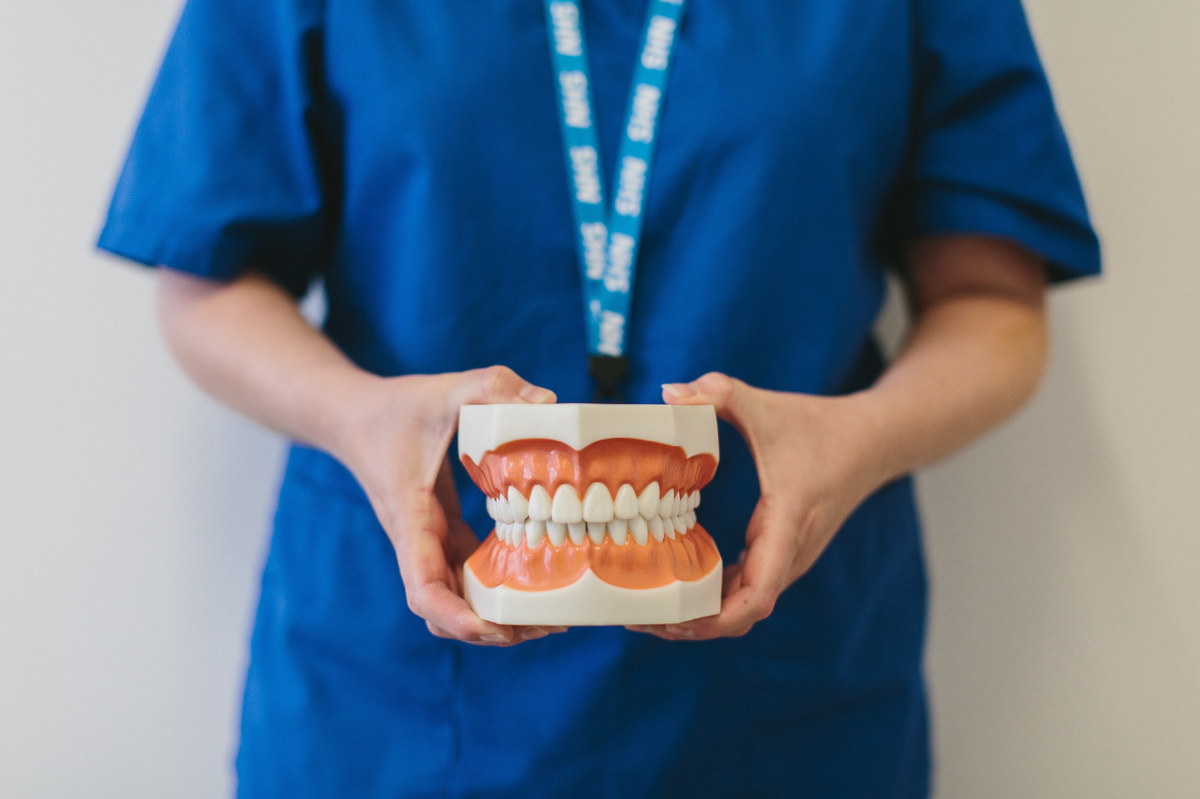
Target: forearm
x=247, y=344
x=975, y=355
x=970, y=363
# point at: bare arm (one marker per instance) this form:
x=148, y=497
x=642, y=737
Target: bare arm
x=247, y=344
x=976, y=353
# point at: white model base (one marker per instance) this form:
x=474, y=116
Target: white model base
x=589, y=601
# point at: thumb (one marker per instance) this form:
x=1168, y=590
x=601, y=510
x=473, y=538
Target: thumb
x=723, y=392
x=499, y=385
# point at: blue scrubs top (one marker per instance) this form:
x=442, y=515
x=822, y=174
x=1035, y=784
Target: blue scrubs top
x=408, y=152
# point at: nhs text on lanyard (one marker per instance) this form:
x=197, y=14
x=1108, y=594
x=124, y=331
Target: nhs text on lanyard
x=608, y=237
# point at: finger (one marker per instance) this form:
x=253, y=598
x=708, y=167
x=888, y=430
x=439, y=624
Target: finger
x=496, y=384
x=434, y=594
x=762, y=578
x=440, y=633
x=429, y=581
x=728, y=396
x=731, y=579
x=449, y=612
x=716, y=389
x=676, y=633
x=531, y=633
x=657, y=630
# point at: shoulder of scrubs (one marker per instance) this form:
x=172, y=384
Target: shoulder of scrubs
x=989, y=154
x=229, y=167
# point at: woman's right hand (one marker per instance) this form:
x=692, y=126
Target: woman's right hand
x=394, y=438
x=246, y=343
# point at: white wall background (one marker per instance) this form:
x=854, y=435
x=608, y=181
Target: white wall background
x=1065, y=549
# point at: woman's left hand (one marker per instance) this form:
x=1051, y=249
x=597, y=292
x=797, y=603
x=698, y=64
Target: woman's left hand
x=815, y=464
x=974, y=355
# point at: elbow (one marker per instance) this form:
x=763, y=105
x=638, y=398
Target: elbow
x=1025, y=332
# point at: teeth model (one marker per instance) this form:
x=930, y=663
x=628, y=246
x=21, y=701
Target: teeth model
x=595, y=512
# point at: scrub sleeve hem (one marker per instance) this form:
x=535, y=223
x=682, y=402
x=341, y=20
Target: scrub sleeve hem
x=221, y=260
x=1070, y=248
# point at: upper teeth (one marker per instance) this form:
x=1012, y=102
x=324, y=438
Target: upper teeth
x=630, y=515
x=517, y=504
x=539, y=504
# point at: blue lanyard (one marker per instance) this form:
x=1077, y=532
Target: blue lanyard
x=608, y=237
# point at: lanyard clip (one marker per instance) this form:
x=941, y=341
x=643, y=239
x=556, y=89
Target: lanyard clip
x=608, y=371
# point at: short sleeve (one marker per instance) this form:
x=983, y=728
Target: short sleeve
x=229, y=166
x=989, y=152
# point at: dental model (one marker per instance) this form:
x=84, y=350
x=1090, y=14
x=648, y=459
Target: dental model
x=595, y=509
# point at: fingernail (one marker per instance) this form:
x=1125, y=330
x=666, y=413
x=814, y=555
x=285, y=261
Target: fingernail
x=679, y=389
x=534, y=632
x=684, y=632
x=556, y=629
x=496, y=639
x=536, y=395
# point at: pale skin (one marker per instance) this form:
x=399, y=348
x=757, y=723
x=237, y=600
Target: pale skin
x=975, y=354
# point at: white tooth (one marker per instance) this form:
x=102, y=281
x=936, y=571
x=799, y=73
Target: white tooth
x=502, y=508
x=677, y=505
x=680, y=524
x=539, y=504
x=491, y=507
x=664, y=504
x=669, y=528
x=556, y=532
x=690, y=519
x=626, y=506
x=535, y=531
x=577, y=531
x=567, y=509
x=648, y=501
x=695, y=499
x=639, y=530
x=499, y=531
x=655, y=525
x=687, y=502
x=596, y=532
x=597, y=504
x=618, y=530
x=519, y=505
x=511, y=531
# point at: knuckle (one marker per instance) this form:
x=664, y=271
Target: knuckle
x=463, y=626
x=763, y=607
x=494, y=378
x=733, y=386
x=719, y=384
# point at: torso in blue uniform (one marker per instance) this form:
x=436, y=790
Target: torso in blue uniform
x=408, y=152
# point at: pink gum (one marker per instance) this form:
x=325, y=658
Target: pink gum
x=613, y=461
